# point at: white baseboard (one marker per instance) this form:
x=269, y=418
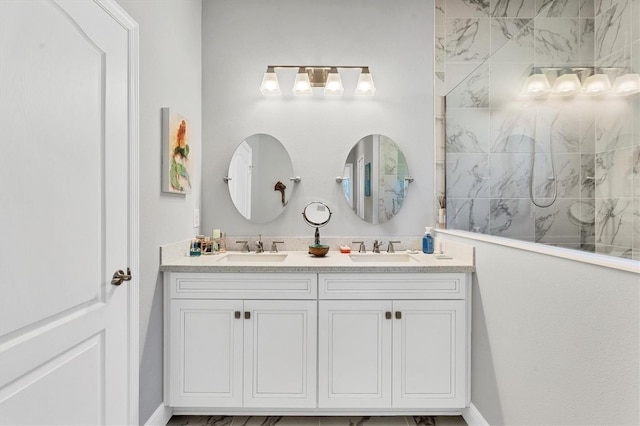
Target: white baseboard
x=161, y=416
x=473, y=417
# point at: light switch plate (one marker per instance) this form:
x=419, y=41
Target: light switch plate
x=196, y=218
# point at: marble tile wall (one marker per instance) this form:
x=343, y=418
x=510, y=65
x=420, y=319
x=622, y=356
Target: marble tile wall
x=499, y=147
x=617, y=133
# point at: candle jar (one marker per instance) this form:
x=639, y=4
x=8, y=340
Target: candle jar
x=207, y=246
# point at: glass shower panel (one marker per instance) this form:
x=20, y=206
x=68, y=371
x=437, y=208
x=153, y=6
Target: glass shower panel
x=560, y=169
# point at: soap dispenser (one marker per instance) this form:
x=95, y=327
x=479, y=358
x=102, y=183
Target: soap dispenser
x=427, y=241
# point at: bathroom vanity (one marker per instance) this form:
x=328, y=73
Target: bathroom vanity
x=288, y=333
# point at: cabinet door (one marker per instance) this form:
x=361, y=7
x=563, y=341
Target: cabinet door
x=280, y=353
x=205, y=353
x=355, y=354
x=429, y=354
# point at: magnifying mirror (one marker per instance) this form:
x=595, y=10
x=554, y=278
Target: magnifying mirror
x=317, y=214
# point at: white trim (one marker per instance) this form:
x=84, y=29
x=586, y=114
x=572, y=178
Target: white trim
x=134, y=227
x=161, y=416
x=337, y=412
x=472, y=416
x=133, y=286
x=565, y=253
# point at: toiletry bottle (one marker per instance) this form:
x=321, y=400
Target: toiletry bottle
x=222, y=243
x=427, y=241
x=195, y=249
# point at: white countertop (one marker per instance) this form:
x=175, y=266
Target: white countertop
x=300, y=261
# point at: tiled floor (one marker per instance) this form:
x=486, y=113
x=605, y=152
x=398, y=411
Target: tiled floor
x=315, y=421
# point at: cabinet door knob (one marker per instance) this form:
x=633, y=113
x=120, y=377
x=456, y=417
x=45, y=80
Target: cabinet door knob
x=236, y=314
x=247, y=315
x=398, y=315
x=387, y=315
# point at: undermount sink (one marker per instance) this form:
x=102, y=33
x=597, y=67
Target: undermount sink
x=254, y=257
x=382, y=257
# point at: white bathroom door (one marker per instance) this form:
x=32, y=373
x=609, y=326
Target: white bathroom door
x=67, y=213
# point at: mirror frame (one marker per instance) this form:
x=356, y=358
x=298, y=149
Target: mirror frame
x=311, y=223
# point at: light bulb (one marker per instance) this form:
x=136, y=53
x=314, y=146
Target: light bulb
x=536, y=85
x=270, y=84
x=333, y=86
x=566, y=85
x=596, y=84
x=302, y=85
x=627, y=84
x=365, y=85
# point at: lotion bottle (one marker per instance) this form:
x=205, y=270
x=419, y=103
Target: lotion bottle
x=427, y=241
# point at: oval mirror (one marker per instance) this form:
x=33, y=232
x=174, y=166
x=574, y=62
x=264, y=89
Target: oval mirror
x=259, y=178
x=375, y=179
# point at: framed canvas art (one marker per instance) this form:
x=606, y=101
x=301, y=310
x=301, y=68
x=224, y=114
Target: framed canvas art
x=176, y=156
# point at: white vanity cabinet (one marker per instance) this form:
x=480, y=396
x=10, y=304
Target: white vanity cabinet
x=393, y=341
x=317, y=342
x=205, y=353
x=241, y=340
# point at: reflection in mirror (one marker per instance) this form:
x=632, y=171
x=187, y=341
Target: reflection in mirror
x=259, y=178
x=375, y=179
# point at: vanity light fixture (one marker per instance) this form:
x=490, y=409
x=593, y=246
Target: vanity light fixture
x=326, y=77
x=626, y=84
x=588, y=81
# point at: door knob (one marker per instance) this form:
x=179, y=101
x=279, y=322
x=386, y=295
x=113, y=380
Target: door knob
x=119, y=276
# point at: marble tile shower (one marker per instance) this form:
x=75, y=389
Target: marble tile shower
x=559, y=171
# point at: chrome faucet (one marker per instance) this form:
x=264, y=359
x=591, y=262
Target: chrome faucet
x=376, y=246
x=245, y=246
x=362, y=248
x=274, y=246
x=390, y=248
x=259, y=245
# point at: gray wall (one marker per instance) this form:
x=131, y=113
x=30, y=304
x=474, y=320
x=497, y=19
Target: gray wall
x=560, y=346
x=554, y=341
x=170, y=76
x=241, y=38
